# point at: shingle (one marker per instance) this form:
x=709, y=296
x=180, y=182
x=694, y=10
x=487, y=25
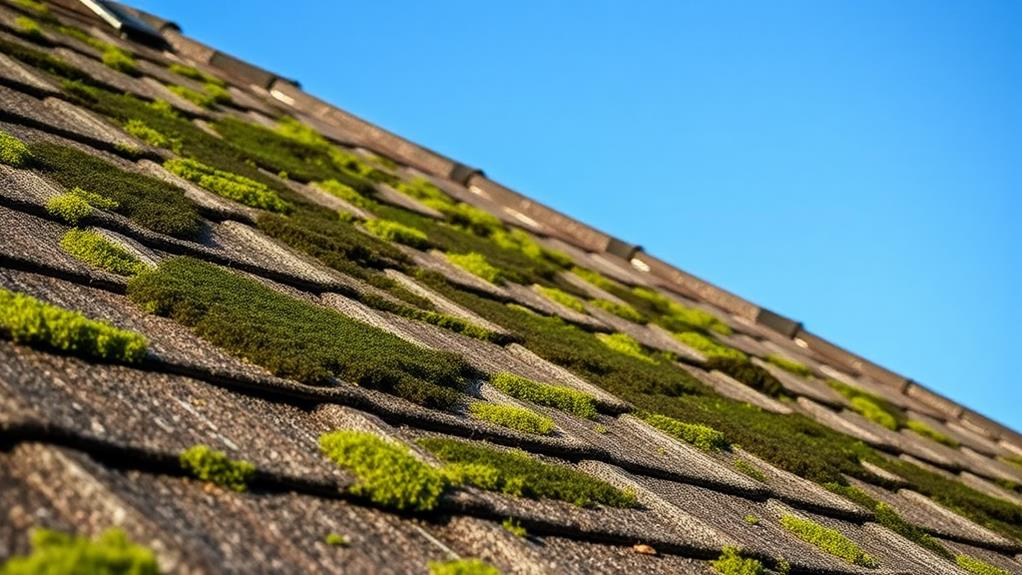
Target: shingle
x=812, y=388
x=16, y=73
x=205, y=200
x=442, y=303
x=1010, y=564
x=729, y=387
x=992, y=489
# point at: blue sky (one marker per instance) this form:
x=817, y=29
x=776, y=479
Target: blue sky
x=855, y=165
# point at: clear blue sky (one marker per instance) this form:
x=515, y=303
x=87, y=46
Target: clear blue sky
x=856, y=165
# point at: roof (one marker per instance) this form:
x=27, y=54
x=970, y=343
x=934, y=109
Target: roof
x=245, y=331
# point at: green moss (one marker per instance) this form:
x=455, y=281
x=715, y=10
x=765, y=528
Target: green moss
x=231, y=186
x=217, y=93
x=751, y=519
x=731, y=562
x=977, y=567
x=336, y=540
x=520, y=474
x=388, y=474
x=140, y=130
x=595, y=278
x=28, y=28
x=701, y=436
x=26, y=320
x=625, y=344
x=13, y=151
x=44, y=62
x=149, y=202
x=601, y=429
x=514, y=527
x=1015, y=460
x=214, y=466
x=465, y=216
x=32, y=5
x=679, y=318
x=873, y=412
x=559, y=397
x=400, y=233
x=748, y=373
x=829, y=540
x=462, y=567
x=512, y=417
x=709, y=347
x=120, y=60
x=258, y=323
x=926, y=431
x=476, y=264
x=53, y=553
x=567, y=300
x=623, y=311
x=198, y=98
x=72, y=208
x=346, y=193
x=195, y=74
x=93, y=248
x=518, y=240
x=790, y=365
x=750, y=470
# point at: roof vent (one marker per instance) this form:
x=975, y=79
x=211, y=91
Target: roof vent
x=462, y=174
x=126, y=23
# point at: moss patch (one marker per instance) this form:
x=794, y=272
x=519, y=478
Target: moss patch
x=198, y=98
x=195, y=74
x=28, y=28
x=26, y=320
x=926, y=431
x=750, y=470
x=462, y=567
x=476, y=264
x=229, y=185
x=731, y=562
x=388, y=474
x=93, y=248
x=215, y=467
x=709, y=347
x=514, y=527
x=70, y=207
x=258, y=323
x=512, y=417
x=677, y=317
x=336, y=540
x=567, y=300
x=120, y=60
x=154, y=138
x=701, y=436
x=559, y=397
x=400, y=233
x=13, y=151
x=519, y=474
x=748, y=373
x=624, y=344
x=873, y=408
x=149, y=202
x=44, y=62
x=829, y=540
x=751, y=519
x=112, y=553
x=977, y=567
x=790, y=365
x=623, y=311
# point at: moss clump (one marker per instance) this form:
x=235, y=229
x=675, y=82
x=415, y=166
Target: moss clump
x=567, y=300
x=26, y=320
x=790, y=365
x=709, y=347
x=519, y=474
x=559, y=397
x=873, y=412
x=512, y=417
x=748, y=373
x=827, y=539
x=198, y=98
x=977, y=567
x=926, y=431
x=465, y=216
x=72, y=208
x=218, y=93
x=750, y=470
x=514, y=527
x=93, y=248
x=595, y=278
x=346, y=193
x=400, y=233
x=462, y=567
x=731, y=562
x=154, y=138
x=623, y=311
x=215, y=467
x=517, y=240
x=476, y=264
x=258, y=323
x=13, y=151
x=149, y=202
x=53, y=552
x=751, y=519
x=28, y=28
x=388, y=474
x=701, y=436
x=677, y=317
x=32, y=5
x=336, y=540
x=624, y=343
x=195, y=74
x=228, y=185
x=120, y=60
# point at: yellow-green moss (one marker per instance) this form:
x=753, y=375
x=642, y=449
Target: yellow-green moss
x=195, y=74
x=13, y=151
x=701, y=436
x=873, y=412
x=977, y=567
x=120, y=60
x=514, y=527
x=476, y=264
x=228, y=185
x=336, y=539
x=215, y=467
x=462, y=567
x=750, y=470
x=197, y=98
x=709, y=347
x=28, y=28
x=751, y=519
x=567, y=300
x=69, y=207
x=790, y=365
x=731, y=562
x=559, y=397
x=93, y=248
x=926, y=431
x=395, y=232
x=829, y=540
x=512, y=417
x=624, y=343
x=623, y=311
x=56, y=553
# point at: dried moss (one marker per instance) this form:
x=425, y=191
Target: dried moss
x=395, y=232
x=388, y=474
x=93, y=248
x=56, y=553
x=462, y=567
x=522, y=475
x=229, y=185
x=559, y=397
x=13, y=151
x=476, y=264
x=567, y=300
x=511, y=417
x=214, y=466
x=829, y=540
x=26, y=320
x=258, y=323
x=731, y=562
x=701, y=436
x=623, y=311
x=709, y=347
x=790, y=365
x=926, y=431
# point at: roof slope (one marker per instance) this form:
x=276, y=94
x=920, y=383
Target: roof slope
x=253, y=333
